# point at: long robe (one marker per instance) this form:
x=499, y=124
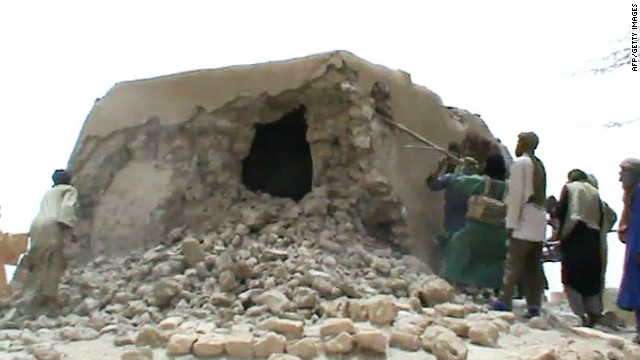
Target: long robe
x=580, y=215
x=476, y=253
x=629, y=292
x=49, y=230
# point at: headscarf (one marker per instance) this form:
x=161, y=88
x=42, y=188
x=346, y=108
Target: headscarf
x=530, y=141
x=631, y=165
x=61, y=177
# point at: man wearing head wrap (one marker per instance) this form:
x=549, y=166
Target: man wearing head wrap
x=581, y=217
x=52, y=227
x=455, y=201
x=609, y=219
x=629, y=233
x=526, y=223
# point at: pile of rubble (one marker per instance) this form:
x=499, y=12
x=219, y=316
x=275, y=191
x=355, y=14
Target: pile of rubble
x=284, y=281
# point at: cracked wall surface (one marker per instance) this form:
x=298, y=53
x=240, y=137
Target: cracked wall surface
x=167, y=152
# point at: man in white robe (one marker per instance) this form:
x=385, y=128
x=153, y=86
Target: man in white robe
x=526, y=222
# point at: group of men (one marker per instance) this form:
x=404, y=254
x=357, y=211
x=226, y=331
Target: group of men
x=582, y=223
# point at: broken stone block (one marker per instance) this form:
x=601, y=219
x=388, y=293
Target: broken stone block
x=459, y=326
x=44, y=352
x=79, y=333
x=430, y=335
x=337, y=308
x=335, y=326
x=180, y=344
x=227, y=280
x=448, y=346
x=271, y=344
x=381, y=310
x=372, y=340
x=540, y=323
x=289, y=328
x=240, y=347
x=451, y=310
x=484, y=333
x=209, y=346
x=305, y=298
x=192, y=251
x=306, y=348
x=275, y=300
x=171, y=323
x=164, y=290
x=339, y=345
x=358, y=310
x=141, y=353
x=540, y=353
x=434, y=291
x=404, y=340
x=613, y=340
x=150, y=336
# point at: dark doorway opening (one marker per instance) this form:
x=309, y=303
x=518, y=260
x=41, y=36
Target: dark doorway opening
x=279, y=162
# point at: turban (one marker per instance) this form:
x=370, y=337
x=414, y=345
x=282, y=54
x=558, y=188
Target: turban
x=61, y=177
x=631, y=164
x=529, y=141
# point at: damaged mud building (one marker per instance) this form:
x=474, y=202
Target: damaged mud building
x=298, y=147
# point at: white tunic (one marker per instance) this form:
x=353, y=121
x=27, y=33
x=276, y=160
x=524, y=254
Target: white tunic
x=528, y=221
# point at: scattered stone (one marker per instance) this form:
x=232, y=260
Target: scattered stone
x=404, y=340
x=540, y=353
x=171, y=323
x=450, y=309
x=306, y=348
x=613, y=340
x=459, y=326
x=164, y=290
x=540, y=323
x=275, y=300
x=381, y=310
x=448, y=346
x=430, y=335
x=227, y=280
x=271, y=344
x=335, y=326
x=339, y=345
x=79, y=333
x=433, y=291
x=484, y=333
x=150, y=336
x=372, y=340
x=180, y=344
x=141, y=353
x=289, y=328
x=240, y=347
x=45, y=352
x=192, y=251
x=209, y=346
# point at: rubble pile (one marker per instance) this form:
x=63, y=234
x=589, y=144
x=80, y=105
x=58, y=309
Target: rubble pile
x=291, y=289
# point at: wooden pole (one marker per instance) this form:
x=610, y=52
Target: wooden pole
x=419, y=137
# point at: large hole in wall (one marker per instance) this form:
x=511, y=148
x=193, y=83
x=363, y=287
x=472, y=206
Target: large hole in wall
x=279, y=162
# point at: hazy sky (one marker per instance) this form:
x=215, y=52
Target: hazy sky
x=520, y=65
